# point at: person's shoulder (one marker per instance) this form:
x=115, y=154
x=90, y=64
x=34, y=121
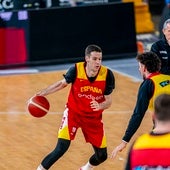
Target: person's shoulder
x=159, y=42
x=147, y=81
x=140, y=140
x=107, y=68
x=110, y=72
x=146, y=85
x=72, y=68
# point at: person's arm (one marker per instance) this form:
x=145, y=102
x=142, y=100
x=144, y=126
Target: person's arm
x=144, y=96
x=154, y=48
x=110, y=85
x=158, y=46
x=107, y=103
x=101, y=106
x=53, y=88
x=69, y=77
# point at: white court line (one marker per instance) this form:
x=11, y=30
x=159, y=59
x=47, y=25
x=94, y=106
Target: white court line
x=18, y=71
x=127, y=75
x=124, y=65
x=105, y=112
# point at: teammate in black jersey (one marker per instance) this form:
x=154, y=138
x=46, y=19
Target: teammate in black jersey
x=153, y=85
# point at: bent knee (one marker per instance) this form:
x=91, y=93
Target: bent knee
x=102, y=157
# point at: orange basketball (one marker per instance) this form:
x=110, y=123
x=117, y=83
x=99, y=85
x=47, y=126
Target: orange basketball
x=38, y=106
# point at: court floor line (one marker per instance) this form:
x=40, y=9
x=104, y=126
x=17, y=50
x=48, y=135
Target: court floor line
x=127, y=67
x=134, y=78
x=105, y=112
x=18, y=71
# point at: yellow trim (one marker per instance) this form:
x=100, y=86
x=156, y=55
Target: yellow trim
x=148, y=141
x=104, y=143
x=81, y=74
x=63, y=133
x=158, y=88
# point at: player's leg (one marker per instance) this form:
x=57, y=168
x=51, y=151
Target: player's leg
x=94, y=134
x=63, y=144
x=61, y=147
x=99, y=157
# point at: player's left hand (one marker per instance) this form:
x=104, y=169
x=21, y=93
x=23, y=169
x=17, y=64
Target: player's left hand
x=95, y=105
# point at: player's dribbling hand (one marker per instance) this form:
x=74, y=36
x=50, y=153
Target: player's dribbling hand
x=118, y=148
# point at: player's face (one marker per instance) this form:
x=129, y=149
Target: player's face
x=166, y=32
x=94, y=61
x=142, y=70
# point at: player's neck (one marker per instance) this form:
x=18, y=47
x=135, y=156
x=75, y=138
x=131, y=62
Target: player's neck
x=162, y=128
x=91, y=73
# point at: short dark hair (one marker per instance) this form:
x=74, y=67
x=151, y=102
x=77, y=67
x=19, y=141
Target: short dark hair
x=150, y=60
x=162, y=107
x=91, y=48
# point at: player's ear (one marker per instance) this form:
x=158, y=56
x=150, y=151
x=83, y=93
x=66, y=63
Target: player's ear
x=144, y=68
x=153, y=116
x=87, y=58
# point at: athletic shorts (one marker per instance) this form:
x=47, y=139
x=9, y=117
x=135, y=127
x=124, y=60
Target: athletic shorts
x=92, y=128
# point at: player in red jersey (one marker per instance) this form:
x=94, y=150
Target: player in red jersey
x=90, y=94
x=151, y=151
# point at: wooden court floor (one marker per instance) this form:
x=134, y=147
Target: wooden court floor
x=25, y=140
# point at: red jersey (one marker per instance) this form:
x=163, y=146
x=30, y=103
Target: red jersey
x=151, y=152
x=83, y=91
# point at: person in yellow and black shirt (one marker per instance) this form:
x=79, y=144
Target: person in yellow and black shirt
x=153, y=85
x=151, y=151
x=90, y=94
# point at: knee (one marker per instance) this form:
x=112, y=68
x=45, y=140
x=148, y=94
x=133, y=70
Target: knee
x=99, y=157
x=102, y=157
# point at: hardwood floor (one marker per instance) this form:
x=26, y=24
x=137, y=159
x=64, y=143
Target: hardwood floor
x=25, y=140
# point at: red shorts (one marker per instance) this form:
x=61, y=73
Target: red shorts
x=92, y=128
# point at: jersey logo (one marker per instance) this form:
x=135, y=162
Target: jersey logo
x=164, y=83
x=90, y=88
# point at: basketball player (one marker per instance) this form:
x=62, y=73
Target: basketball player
x=153, y=85
x=90, y=94
x=151, y=151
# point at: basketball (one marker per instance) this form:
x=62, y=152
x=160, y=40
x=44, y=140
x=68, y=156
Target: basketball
x=38, y=106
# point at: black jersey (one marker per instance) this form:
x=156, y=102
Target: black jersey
x=154, y=85
x=162, y=49
x=145, y=93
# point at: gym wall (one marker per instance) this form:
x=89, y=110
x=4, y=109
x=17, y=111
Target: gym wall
x=60, y=35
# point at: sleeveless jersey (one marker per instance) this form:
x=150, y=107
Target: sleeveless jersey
x=83, y=91
x=161, y=85
x=151, y=152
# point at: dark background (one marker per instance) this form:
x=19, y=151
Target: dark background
x=60, y=35
x=63, y=33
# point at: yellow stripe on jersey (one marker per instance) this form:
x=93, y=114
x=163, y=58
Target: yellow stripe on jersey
x=82, y=74
x=152, y=141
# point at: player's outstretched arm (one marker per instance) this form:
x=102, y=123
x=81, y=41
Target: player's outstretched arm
x=53, y=88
